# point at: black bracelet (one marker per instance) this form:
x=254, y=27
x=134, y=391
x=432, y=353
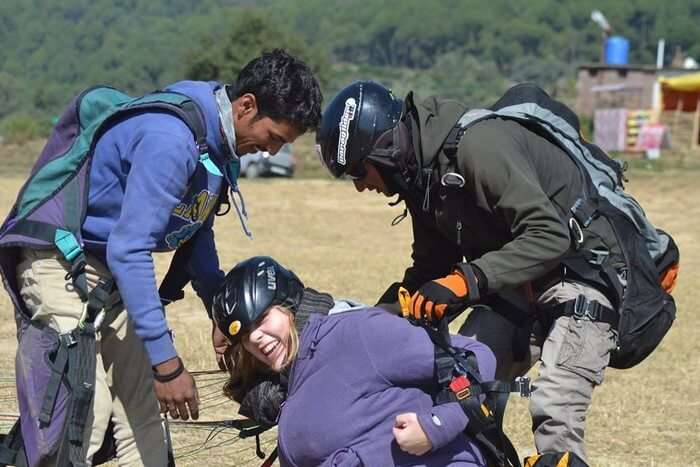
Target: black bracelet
x=170, y=376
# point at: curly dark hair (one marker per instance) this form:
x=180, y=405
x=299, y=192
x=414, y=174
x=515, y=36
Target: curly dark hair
x=285, y=89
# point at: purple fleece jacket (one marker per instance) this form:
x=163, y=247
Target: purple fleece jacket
x=356, y=371
x=140, y=171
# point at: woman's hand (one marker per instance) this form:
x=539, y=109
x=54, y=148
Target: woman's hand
x=410, y=436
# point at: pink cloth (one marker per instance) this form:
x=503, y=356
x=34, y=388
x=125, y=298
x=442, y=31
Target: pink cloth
x=610, y=129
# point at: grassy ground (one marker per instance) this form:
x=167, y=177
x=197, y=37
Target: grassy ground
x=341, y=241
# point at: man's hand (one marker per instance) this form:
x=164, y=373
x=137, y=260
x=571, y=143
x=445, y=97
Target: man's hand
x=434, y=298
x=221, y=345
x=409, y=435
x=178, y=396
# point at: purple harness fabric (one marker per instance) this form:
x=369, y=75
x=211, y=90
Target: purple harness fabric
x=61, y=139
x=33, y=372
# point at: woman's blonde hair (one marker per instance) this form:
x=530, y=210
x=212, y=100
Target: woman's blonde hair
x=247, y=369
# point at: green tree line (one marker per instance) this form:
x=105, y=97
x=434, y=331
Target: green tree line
x=467, y=49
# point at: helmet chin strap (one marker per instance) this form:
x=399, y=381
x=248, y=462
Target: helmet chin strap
x=396, y=162
x=393, y=154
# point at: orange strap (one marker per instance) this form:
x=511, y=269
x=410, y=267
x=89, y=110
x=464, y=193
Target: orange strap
x=405, y=302
x=547, y=460
x=669, y=277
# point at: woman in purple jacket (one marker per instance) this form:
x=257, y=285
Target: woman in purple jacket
x=360, y=380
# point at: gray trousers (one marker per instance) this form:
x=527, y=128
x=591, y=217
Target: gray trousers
x=573, y=355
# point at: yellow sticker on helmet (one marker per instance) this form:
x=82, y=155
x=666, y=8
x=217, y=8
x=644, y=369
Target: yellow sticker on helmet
x=234, y=327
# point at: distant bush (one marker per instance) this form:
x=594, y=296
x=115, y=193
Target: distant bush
x=20, y=128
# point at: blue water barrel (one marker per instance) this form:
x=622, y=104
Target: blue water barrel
x=617, y=50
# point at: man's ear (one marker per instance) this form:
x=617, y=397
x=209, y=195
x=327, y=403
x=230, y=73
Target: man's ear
x=245, y=106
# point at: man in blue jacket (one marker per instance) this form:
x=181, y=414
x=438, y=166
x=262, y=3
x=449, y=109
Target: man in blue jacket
x=150, y=191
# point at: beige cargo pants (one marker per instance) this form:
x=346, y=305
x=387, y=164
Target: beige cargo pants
x=573, y=355
x=124, y=384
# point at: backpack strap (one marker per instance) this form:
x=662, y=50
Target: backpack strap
x=467, y=120
x=449, y=147
x=181, y=106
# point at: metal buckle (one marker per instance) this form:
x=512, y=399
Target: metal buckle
x=67, y=339
x=522, y=386
x=577, y=231
x=585, y=308
x=599, y=256
x=452, y=180
x=83, y=316
x=581, y=307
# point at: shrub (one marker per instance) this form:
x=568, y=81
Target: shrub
x=21, y=128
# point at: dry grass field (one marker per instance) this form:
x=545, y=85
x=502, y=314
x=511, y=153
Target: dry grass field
x=341, y=241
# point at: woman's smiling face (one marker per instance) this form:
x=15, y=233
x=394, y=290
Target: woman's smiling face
x=268, y=340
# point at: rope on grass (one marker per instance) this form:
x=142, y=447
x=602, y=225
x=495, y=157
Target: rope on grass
x=219, y=433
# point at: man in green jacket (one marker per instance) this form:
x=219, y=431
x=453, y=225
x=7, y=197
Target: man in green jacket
x=490, y=208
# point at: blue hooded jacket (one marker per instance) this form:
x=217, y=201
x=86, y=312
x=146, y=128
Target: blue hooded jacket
x=355, y=372
x=140, y=199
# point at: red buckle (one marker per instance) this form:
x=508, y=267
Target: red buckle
x=460, y=387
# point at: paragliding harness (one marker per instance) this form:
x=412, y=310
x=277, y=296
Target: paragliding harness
x=71, y=362
x=644, y=310
x=483, y=402
x=461, y=382
x=49, y=214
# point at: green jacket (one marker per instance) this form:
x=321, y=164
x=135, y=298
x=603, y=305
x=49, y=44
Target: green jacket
x=510, y=217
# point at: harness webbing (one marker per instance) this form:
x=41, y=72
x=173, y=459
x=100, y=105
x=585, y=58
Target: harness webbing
x=81, y=377
x=58, y=369
x=74, y=364
x=12, y=448
x=459, y=376
x=583, y=308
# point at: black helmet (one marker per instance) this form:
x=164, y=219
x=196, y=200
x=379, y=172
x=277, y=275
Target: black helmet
x=249, y=289
x=352, y=123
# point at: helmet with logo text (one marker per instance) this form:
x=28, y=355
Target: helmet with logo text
x=250, y=289
x=351, y=125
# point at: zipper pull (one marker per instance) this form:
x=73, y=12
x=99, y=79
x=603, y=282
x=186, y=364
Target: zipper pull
x=459, y=233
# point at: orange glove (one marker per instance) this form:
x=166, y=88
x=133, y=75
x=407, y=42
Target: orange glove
x=435, y=298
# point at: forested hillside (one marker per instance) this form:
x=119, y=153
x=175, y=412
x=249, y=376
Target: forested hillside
x=468, y=49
